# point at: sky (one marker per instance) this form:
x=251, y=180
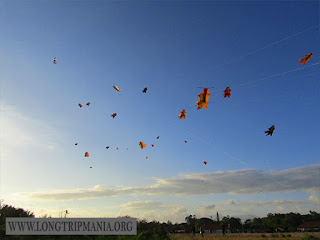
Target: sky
x=175, y=49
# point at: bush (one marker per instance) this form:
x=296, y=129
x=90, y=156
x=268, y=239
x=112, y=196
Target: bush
x=309, y=237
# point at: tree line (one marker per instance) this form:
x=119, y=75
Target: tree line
x=155, y=230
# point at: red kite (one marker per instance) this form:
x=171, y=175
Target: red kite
x=152, y=145
x=205, y=162
x=142, y=145
x=185, y=141
x=144, y=90
x=113, y=115
x=183, y=114
x=86, y=154
x=80, y=105
x=227, y=92
x=270, y=131
x=305, y=59
x=203, y=99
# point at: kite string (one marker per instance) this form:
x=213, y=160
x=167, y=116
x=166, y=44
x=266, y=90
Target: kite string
x=252, y=52
x=278, y=74
x=211, y=145
x=237, y=159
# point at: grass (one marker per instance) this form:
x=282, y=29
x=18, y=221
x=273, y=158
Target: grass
x=248, y=236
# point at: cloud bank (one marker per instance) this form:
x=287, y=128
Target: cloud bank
x=248, y=181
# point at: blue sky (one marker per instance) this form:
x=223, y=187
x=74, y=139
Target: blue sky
x=174, y=49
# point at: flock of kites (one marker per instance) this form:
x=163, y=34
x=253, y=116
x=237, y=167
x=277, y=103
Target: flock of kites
x=201, y=103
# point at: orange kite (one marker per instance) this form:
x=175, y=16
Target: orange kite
x=203, y=99
x=142, y=145
x=305, y=59
x=86, y=154
x=183, y=114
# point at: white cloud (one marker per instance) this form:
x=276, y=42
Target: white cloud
x=212, y=206
x=151, y=210
x=248, y=181
x=161, y=211
x=144, y=205
x=314, y=198
x=230, y=202
x=20, y=131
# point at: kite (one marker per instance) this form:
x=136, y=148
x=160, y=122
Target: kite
x=76, y=144
x=107, y=147
x=205, y=162
x=185, y=141
x=203, y=99
x=142, y=145
x=127, y=149
x=86, y=154
x=117, y=88
x=227, y=92
x=305, y=59
x=88, y=103
x=158, y=137
x=152, y=145
x=270, y=131
x=54, y=60
x=80, y=105
x=113, y=115
x=146, y=157
x=117, y=148
x=183, y=114
x=90, y=167
x=145, y=90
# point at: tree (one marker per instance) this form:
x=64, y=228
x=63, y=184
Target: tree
x=248, y=224
x=191, y=220
x=10, y=211
x=273, y=221
x=203, y=221
x=291, y=221
x=234, y=223
x=313, y=216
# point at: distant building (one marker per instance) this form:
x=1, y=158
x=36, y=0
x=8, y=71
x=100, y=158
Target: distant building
x=309, y=227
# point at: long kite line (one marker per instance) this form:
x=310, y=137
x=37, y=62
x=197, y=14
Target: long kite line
x=278, y=74
x=261, y=79
x=274, y=43
x=237, y=159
